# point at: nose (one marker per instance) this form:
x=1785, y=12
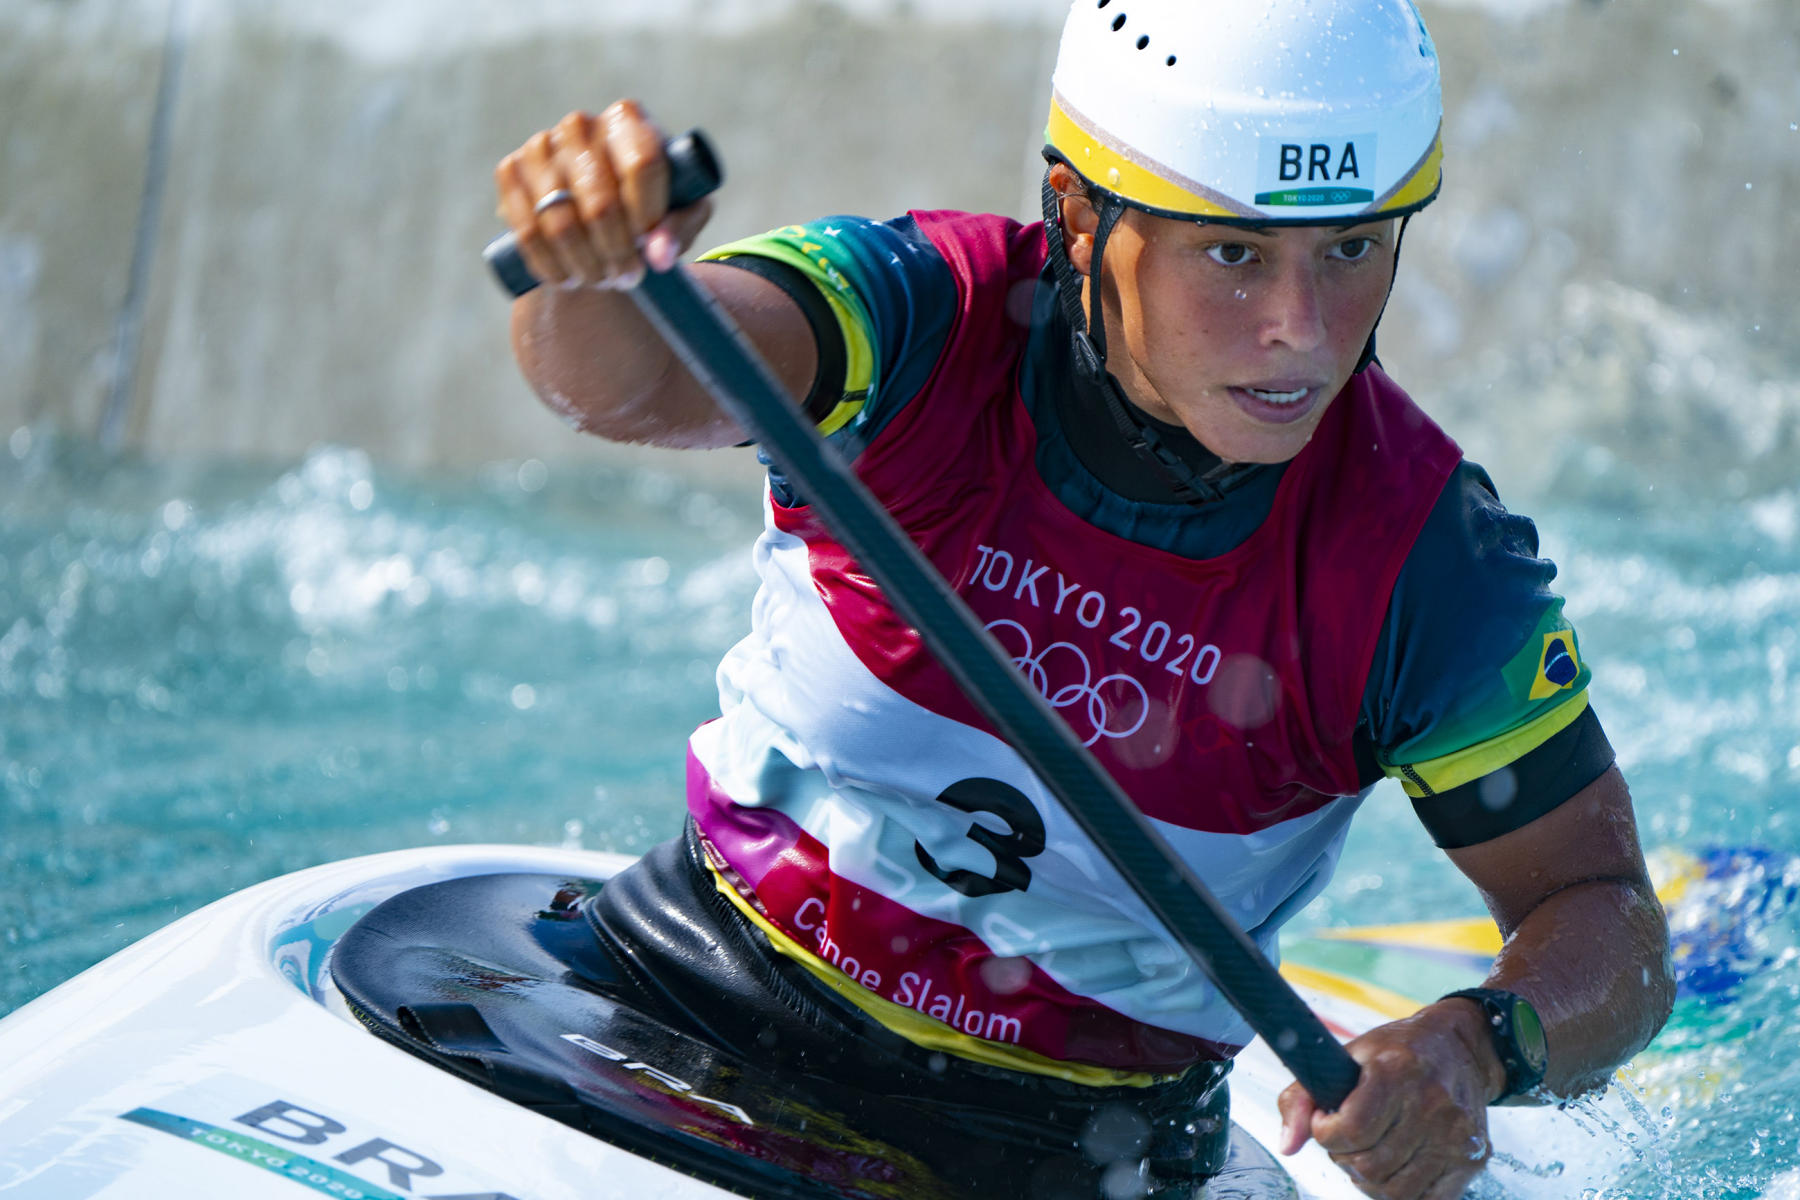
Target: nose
x=1293, y=315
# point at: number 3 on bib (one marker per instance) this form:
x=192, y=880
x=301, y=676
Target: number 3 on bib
x=1010, y=850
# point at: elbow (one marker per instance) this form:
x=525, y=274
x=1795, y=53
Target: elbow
x=1660, y=977
x=604, y=372
x=560, y=362
x=1655, y=985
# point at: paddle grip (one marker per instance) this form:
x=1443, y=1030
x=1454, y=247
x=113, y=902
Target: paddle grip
x=694, y=173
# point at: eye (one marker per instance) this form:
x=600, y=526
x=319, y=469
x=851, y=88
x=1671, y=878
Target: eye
x=1355, y=249
x=1231, y=254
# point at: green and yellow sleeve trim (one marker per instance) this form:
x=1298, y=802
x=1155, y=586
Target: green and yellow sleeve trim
x=794, y=247
x=1452, y=771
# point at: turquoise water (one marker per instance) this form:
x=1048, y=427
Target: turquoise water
x=214, y=673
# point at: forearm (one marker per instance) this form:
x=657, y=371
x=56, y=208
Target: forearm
x=594, y=358
x=1586, y=940
x=588, y=204
x=1593, y=959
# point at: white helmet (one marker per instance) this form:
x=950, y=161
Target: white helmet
x=1255, y=111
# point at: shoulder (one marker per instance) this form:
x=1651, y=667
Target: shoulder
x=984, y=245
x=856, y=261
x=1479, y=680
x=898, y=292
x=1473, y=595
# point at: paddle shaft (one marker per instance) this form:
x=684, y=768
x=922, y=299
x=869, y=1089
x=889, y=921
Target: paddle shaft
x=708, y=341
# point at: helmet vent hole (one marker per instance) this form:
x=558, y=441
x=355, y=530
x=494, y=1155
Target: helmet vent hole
x=1103, y=3
x=1118, y=22
x=1171, y=60
x=1143, y=41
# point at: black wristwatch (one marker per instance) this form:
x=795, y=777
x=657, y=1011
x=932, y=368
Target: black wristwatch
x=1518, y=1038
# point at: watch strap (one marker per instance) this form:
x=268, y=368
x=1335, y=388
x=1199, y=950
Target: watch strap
x=1521, y=1051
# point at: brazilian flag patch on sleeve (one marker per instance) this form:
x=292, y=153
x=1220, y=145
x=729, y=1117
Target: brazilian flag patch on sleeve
x=1559, y=665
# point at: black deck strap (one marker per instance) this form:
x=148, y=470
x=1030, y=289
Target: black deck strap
x=459, y=1031
x=456, y=1028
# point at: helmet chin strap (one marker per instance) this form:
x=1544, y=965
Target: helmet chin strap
x=1368, y=354
x=1088, y=333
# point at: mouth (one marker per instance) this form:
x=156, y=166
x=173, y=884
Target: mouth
x=1279, y=403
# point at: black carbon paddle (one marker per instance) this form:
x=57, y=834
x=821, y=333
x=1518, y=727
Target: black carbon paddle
x=722, y=359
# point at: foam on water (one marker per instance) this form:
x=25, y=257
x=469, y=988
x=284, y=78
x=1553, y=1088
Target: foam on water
x=214, y=673
x=208, y=678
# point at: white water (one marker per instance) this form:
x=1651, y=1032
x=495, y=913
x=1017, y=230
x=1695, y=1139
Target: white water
x=213, y=670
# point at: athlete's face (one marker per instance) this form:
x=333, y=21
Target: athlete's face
x=1242, y=337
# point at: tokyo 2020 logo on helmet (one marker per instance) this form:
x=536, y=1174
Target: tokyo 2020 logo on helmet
x=1257, y=111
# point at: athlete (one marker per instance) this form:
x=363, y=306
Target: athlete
x=1149, y=442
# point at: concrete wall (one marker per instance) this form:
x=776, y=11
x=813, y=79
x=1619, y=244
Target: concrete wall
x=314, y=274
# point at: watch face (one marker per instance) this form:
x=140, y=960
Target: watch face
x=1528, y=1035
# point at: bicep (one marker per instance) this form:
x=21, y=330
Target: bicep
x=594, y=357
x=775, y=324
x=1591, y=836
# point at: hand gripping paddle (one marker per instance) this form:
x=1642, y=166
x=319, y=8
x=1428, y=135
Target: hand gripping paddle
x=693, y=175
x=721, y=358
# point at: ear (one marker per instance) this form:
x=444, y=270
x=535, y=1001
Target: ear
x=1080, y=222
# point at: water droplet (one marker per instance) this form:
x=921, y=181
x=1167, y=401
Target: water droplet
x=1242, y=294
x=1115, y=1132
x=1125, y=1181
x=1005, y=976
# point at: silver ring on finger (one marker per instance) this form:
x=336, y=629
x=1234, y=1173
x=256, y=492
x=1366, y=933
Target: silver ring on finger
x=552, y=199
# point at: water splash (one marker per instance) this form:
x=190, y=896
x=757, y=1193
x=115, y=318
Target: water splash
x=212, y=674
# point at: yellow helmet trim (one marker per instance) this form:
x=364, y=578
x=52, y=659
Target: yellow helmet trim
x=1138, y=181
x=1141, y=181
x=1420, y=186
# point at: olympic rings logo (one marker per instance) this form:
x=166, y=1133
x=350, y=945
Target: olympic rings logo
x=1062, y=660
